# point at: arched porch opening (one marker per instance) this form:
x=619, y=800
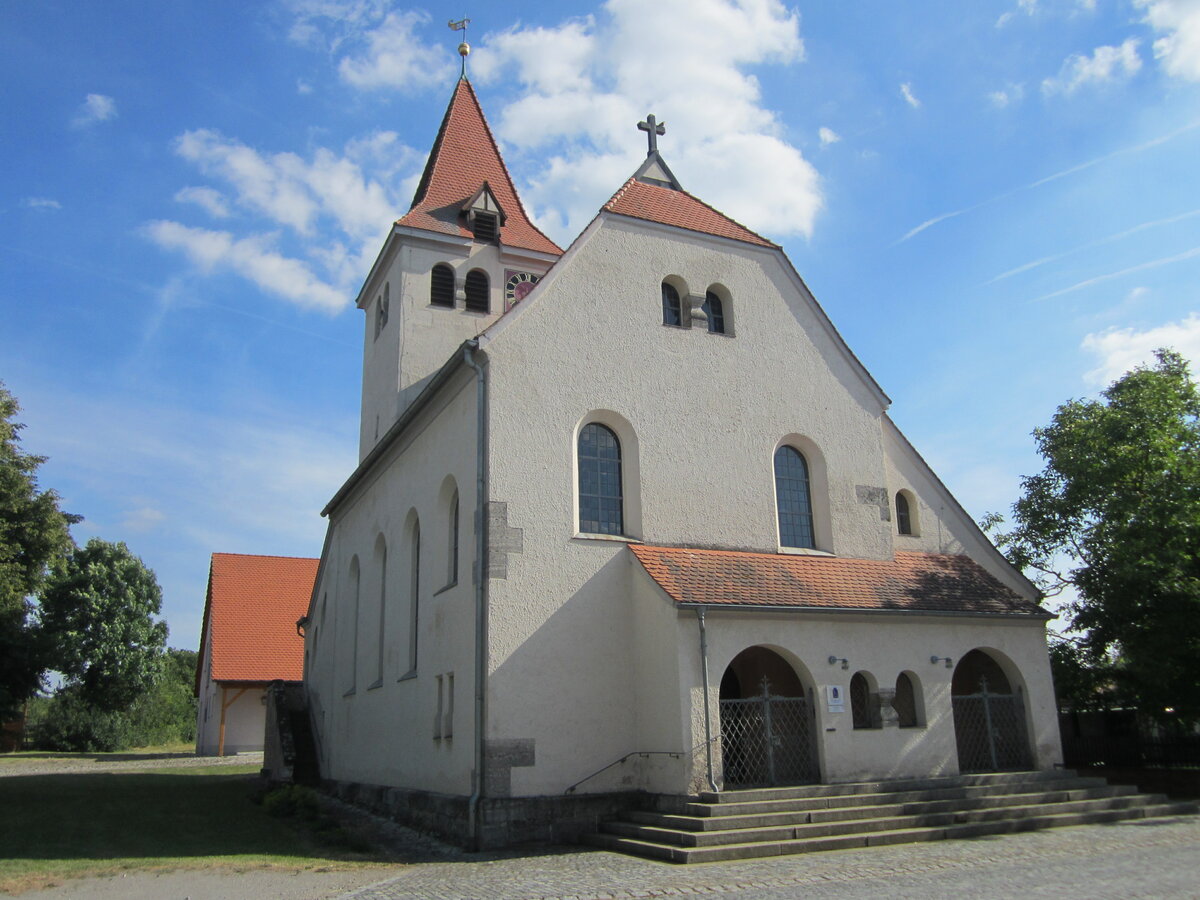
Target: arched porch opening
x=768, y=732
x=989, y=714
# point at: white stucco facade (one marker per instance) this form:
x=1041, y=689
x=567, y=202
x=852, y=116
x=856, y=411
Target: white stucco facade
x=586, y=658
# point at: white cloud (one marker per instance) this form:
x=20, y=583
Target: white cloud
x=252, y=258
x=1012, y=94
x=1121, y=349
x=206, y=198
x=95, y=108
x=1106, y=64
x=1179, y=48
x=291, y=191
x=395, y=57
x=909, y=97
x=334, y=204
x=41, y=203
x=828, y=136
x=586, y=82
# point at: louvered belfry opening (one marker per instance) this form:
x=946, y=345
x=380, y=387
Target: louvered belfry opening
x=441, y=286
x=476, y=287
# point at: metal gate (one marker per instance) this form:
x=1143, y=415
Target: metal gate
x=990, y=731
x=768, y=740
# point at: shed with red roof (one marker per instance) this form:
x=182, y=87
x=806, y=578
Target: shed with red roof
x=249, y=639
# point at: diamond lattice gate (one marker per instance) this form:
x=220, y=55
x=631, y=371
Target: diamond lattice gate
x=768, y=740
x=990, y=731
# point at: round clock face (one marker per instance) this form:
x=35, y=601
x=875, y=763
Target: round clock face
x=518, y=285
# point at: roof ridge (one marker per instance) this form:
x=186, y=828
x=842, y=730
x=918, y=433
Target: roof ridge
x=264, y=556
x=672, y=213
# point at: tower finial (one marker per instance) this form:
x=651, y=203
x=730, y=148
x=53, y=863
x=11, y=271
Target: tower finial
x=464, y=49
x=653, y=129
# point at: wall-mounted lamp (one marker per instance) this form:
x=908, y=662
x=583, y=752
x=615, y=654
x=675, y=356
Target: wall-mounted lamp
x=833, y=660
x=301, y=624
x=937, y=659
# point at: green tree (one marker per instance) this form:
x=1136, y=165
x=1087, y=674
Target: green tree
x=33, y=533
x=97, y=614
x=1115, y=514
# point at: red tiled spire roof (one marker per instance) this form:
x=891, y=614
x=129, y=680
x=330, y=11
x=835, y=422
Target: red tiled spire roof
x=464, y=156
x=668, y=206
x=250, y=616
x=915, y=582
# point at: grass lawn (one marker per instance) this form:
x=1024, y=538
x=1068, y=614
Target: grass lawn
x=64, y=826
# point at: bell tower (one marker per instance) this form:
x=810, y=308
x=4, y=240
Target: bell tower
x=462, y=256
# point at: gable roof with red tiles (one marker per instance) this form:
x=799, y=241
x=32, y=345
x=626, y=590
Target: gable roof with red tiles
x=250, y=616
x=668, y=206
x=464, y=156
x=912, y=582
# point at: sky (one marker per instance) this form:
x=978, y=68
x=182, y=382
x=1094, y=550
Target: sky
x=996, y=203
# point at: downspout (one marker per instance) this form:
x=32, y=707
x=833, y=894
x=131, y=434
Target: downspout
x=475, y=823
x=708, y=739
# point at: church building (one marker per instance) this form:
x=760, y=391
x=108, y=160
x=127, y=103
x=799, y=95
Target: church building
x=631, y=519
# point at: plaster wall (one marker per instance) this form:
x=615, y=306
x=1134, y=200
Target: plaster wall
x=382, y=727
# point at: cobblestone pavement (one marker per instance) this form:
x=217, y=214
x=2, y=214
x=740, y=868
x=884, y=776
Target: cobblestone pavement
x=1147, y=858
x=118, y=762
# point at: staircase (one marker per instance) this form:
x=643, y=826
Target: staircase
x=778, y=821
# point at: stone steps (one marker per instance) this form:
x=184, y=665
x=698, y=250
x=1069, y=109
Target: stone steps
x=748, y=824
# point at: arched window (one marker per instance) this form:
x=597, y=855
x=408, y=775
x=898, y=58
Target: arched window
x=672, y=308
x=903, y=519
x=441, y=286
x=792, y=499
x=905, y=702
x=714, y=309
x=414, y=599
x=862, y=706
x=476, y=288
x=353, y=592
x=452, y=541
x=600, y=506
x=381, y=562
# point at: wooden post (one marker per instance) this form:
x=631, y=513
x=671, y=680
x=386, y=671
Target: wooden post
x=225, y=704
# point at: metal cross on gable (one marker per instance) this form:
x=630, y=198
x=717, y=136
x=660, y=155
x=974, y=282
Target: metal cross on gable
x=653, y=129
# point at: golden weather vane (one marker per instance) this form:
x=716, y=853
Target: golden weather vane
x=464, y=49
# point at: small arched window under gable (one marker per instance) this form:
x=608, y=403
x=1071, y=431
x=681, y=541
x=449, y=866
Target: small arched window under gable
x=903, y=521
x=601, y=507
x=441, y=286
x=477, y=289
x=793, y=499
x=672, y=308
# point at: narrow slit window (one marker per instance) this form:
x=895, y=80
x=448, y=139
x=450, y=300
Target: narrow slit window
x=903, y=518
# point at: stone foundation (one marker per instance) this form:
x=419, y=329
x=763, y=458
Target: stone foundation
x=507, y=821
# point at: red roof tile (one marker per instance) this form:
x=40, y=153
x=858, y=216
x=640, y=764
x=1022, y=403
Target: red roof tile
x=464, y=156
x=668, y=206
x=253, y=604
x=918, y=582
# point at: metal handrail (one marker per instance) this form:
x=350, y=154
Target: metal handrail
x=645, y=754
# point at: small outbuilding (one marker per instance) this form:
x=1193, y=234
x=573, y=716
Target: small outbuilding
x=250, y=638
